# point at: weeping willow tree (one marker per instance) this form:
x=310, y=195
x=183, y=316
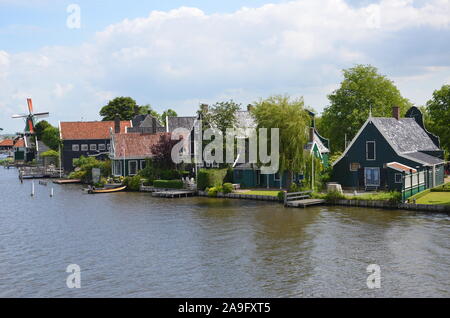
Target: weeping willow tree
x=292, y=119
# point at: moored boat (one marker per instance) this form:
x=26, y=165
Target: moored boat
x=106, y=190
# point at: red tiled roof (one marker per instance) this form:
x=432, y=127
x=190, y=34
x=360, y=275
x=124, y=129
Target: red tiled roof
x=7, y=143
x=135, y=145
x=20, y=143
x=400, y=167
x=80, y=130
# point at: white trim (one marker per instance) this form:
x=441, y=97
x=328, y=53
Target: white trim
x=352, y=142
x=141, y=162
x=374, y=150
x=129, y=167
x=379, y=177
x=115, y=172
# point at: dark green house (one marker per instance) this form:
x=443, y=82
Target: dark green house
x=249, y=175
x=392, y=154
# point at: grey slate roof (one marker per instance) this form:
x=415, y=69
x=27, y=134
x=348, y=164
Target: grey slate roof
x=181, y=122
x=405, y=135
x=319, y=143
x=423, y=157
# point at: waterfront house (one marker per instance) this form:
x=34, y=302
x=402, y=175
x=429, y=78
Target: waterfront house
x=386, y=150
x=249, y=175
x=6, y=145
x=129, y=151
x=91, y=138
x=19, y=150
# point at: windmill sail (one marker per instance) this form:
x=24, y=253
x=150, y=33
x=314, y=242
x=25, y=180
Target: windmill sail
x=30, y=118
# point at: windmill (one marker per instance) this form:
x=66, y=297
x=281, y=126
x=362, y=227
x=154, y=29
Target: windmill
x=30, y=119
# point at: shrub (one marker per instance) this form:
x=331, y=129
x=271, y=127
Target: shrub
x=212, y=192
x=294, y=188
x=168, y=184
x=210, y=178
x=78, y=175
x=334, y=195
x=227, y=188
x=87, y=163
x=281, y=195
x=132, y=183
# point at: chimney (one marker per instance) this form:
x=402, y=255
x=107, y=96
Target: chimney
x=153, y=125
x=396, y=112
x=311, y=134
x=117, y=124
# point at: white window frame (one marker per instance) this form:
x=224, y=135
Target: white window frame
x=275, y=177
x=108, y=146
x=117, y=164
x=374, y=150
x=395, y=177
x=101, y=147
x=76, y=148
x=93, y=147
x=84, y=146
x=379, y=177
x=142, y=164
x=129, y=167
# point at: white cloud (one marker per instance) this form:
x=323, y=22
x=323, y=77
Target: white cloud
x=181, y=57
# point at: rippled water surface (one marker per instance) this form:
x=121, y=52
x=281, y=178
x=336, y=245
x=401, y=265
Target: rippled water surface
x=133, y=245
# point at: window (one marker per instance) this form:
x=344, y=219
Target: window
x=132, y=167
x=372, y=177
x=75, y=147
x=84, y=147
x=277, y=176
x=398, y=178
x=117, y=168
x=108, y=147
x=143, y=164
x=370, y=150
x=354, y=166
x=93, y=147
x=101, y=147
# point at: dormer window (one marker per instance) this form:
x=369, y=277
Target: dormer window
x=370, y=150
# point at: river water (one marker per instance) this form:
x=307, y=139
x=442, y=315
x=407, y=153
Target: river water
x=133, y=245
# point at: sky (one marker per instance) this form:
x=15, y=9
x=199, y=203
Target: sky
x=71, y=57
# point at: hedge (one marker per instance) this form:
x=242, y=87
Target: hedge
x=168, y=184
x=207, y=178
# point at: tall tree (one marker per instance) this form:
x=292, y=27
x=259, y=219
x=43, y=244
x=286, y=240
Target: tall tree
x=291, y=117
x=40, y=127
x=438, y=111
x=162, y=152
x=363, y=89
x=223, y=115
x=167, y=113
x=126, y=108
x=50, y=137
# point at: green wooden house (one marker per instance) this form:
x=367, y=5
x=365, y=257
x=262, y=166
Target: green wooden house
x=249, y=175
x=391, y=154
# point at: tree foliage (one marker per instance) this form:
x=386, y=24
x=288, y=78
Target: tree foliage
x=50, y=137
x=126, y=108
x=291, y=117
x=362, y=89
x=167, y=113
x=438, y=113
x=40, y=127
x=162, y=152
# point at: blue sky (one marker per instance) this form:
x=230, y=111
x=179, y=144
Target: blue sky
x=177, y=54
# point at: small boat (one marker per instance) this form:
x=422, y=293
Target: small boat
x=106, y=190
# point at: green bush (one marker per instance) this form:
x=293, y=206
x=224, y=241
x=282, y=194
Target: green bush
x=210, y=178
x=442, y=188
x=212, y=192
x=334, y=195
x=227, y=188
x=281, y=195
x=79, y=175
x=87, y=163
x=168, y=184
x=132, y=183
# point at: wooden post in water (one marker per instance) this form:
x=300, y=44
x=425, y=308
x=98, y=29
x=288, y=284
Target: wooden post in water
x=32, y=188
x=51, y=193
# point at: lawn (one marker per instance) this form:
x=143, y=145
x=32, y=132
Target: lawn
x=435, y=198
x=269, y=193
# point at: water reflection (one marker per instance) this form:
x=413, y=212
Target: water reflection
x=133, y=245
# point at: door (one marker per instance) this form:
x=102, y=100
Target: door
x=372, y=177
